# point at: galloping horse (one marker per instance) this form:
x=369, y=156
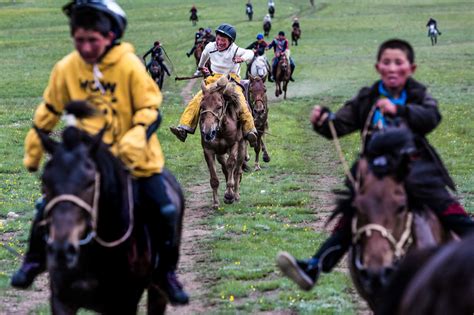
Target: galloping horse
x=157, y=73
x=295, y=35
x=258, y=103
x=282, y=75
x=383, y=228
x=267, y=26
x=194, y=17
x=249, y=12
x=259, y=67
x=271, y=10
x=99, y=252
x=222, y=137
x=433, y=35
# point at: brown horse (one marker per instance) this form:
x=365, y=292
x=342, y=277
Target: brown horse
x=99, y=251
x=295, y=35
x=258, y=103
x=222, y=137
x=282, y=75
x=383, y=228
x=198, y=52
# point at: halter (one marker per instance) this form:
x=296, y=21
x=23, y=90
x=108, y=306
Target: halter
x=399, y=246
x=219, y=117
x=92, y=210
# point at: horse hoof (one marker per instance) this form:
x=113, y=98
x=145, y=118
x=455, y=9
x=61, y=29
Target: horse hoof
x=245, y=168
x=215, y=207
x=257, y=168
x=229, y=201
x=266, y=158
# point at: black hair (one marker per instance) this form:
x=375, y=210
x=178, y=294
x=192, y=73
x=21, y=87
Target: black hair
x=397, y=44
x=90, y=19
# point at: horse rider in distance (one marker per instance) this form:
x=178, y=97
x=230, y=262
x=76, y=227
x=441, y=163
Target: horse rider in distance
x=156, y=55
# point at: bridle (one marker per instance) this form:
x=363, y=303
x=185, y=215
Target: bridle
x=92, y=210
x=399, y=246
x=219, y=116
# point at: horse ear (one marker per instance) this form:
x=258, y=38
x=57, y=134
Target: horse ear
x=47, y=142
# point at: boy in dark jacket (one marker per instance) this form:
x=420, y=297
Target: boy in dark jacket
x=399, y=97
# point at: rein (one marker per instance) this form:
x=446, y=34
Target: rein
x=92, y=210
x=398, y=246
x=219, y=117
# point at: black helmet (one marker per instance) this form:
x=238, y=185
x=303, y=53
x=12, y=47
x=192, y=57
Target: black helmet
x=109, y=7
x=281, y=33
x=227, y=30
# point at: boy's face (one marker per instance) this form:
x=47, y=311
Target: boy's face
x=90, y=44
x=394, y=68
x=222, y=42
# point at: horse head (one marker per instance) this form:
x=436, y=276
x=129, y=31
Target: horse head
x=214, y=106
x=382, y=223
x=259, y=67
x=258, y=97
x=70, y=185
x=283, y=63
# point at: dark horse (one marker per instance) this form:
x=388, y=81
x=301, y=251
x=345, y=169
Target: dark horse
x=433, y=35
x=282, y=75
x=157, y=73
x=383, y=228
x=194, y=17
x=295, y=35
x=222, y=137
x=249, y=12
x=267, y=26
x=271, y=10
x=258, y=103
x=99, y=252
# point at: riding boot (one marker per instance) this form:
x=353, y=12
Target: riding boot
x=166, y=269
x=305, y=273
x=180, y=133
x=34, y=262
x=252, y=138
x=292, y=66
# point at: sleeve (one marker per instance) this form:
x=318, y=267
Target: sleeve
x=345, y=120
x=271, y=44
x=251, y=46
x=422, y=118
x=245, y=54
x=147, y=53
x=46, y=116
x=205, y=55
x=146, y=97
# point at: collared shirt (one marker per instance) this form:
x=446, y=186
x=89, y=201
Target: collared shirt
x=222, y=61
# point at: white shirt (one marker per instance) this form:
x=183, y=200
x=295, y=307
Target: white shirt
x=222, y=61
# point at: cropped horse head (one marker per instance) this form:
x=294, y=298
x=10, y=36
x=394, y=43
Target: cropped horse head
x=258, y=97
x=217, y=105
x=259, y=67
x=382, y=223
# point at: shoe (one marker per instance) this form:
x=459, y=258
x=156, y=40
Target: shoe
x=188, y=54
x=270, y=79
x=252, y=139
x=292, y=80
x=180, y=133
x=304, y=273
x=24, y=277
x=174, y=289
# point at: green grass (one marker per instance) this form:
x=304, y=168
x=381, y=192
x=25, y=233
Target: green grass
x=279, y=205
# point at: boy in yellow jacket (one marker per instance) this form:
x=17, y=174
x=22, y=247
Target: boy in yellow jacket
x=108, y=75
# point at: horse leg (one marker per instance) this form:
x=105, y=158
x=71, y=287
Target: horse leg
x=266, y=157
x=278, y=88
x=58, y=307
x=238, y=169
x=231, y=163
x=257, y=149
x=156, y=301
x=214, y=180
x=285, y=84
x=221, y=160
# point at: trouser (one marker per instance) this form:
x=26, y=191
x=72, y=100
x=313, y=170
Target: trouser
x=425, y=187
x=162, y=217
x=190, y=117
x=36, y=252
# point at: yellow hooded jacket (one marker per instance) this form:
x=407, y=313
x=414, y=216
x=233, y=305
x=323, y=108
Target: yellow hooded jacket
x=127, y=101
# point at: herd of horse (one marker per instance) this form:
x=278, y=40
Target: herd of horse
x=99, y=252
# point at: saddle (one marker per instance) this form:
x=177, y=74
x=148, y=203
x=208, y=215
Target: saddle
x=244, y=85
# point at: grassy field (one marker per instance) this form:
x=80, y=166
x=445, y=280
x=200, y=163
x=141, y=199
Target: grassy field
x=281, y=206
